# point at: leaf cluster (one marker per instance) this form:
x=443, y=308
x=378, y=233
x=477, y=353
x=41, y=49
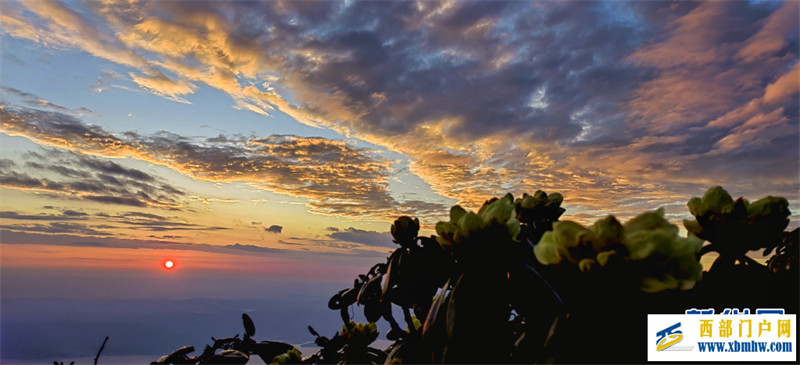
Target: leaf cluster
x=734, y=227
x=647, y=240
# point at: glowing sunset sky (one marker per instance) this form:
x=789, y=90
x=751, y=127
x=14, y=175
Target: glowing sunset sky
x=289, y=135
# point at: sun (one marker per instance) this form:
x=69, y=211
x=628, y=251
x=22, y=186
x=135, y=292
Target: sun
x=169, y=264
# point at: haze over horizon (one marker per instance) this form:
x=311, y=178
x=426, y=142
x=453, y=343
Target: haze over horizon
x=266, y=147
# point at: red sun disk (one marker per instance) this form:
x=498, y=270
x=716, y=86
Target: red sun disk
x=169, y=264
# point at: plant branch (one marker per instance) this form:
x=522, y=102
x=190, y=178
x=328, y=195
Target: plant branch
x=101, y=350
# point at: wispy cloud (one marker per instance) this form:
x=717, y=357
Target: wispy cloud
x=56, y=228
x=253, y=248
x=73, y=234
x=155, y=223
x=98, y=224
x=364, y=237
x=67, y=215
x=162, y=85
x=89, y=178
x=56, y=25
x=14, y=96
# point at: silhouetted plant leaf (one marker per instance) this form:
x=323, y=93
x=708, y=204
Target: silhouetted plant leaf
x=451, y=308
x=437, y=308
x=249, y=326
x=335, y=302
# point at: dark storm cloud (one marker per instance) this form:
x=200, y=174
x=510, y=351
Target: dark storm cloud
x=274, y=229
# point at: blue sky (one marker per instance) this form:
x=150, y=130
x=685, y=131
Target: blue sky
x=300, y=130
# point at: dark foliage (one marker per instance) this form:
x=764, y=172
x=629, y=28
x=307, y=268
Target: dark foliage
x=478, y=291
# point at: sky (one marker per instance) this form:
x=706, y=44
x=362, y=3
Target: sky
x=266, y=147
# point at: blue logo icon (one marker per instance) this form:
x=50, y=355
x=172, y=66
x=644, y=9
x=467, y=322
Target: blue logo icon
x=668, y=337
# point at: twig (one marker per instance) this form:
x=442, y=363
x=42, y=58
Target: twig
x=101, y=350
x=546, y=283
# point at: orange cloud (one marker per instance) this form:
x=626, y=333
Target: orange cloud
x=692, y=42
x=772, y=36
x=785, y=86
x=758, y=130
x=162, y=85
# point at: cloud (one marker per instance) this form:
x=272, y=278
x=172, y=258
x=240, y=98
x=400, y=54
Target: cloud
x=253, y=248
x=156, y=223
x=336, y=177
x=386, y=94
x=14, y=59
x=99, y=224
x=72, y=213
x=273, y=229
x=784, y=87
x=56, y=228
x=89, y=178
x=62, y=130
x=364, y=237
x=59, y=169
x=66, y=215
x=338, y=252
x=773, y=37
x=56, y=25
x=702, y=118
x=162, y=85
x=599, y=99
x=35, y=101
x=114, y=168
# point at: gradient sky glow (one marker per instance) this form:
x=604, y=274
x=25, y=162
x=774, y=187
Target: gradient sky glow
x=281, y=138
